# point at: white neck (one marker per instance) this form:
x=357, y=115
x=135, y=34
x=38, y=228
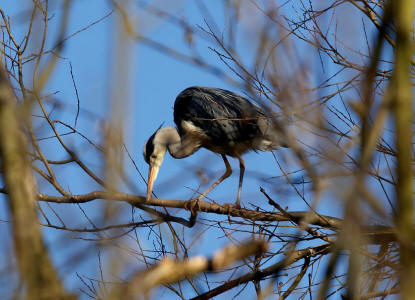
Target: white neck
x=178, y=147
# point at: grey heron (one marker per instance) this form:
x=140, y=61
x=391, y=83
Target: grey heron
x=216, y=119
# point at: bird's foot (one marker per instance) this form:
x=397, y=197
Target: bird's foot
x=193, y=206
x=229, y=208
x=237, y=204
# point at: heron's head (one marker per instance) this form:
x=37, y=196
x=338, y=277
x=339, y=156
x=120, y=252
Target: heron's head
x=153, y=153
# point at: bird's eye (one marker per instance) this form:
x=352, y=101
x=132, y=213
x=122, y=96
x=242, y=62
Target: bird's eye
x=153, y=156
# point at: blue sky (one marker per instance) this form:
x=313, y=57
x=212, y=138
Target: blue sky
x=148, y=81
x=154, y=80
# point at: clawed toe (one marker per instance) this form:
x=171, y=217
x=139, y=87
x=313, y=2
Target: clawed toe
x=237, y=204
x=193, y=205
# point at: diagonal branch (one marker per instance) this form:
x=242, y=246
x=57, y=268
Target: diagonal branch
x=170, y=271
x=291, y=258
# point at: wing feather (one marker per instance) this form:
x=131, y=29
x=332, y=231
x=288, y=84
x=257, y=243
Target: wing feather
x=225, y=117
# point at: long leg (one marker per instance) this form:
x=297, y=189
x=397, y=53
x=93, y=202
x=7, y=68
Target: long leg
x=241, y=178
x=227, y=173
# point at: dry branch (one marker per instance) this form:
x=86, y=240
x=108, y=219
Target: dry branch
x=36, y=269
x=291, y=257
x=333, y=116
x=170, y=271
x=402, y=99
x=377, y=234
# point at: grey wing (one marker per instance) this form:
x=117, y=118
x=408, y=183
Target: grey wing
x=222, y=115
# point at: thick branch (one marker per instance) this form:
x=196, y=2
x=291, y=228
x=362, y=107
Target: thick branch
x=401, y=84
x=230, y=210
x=376, y=234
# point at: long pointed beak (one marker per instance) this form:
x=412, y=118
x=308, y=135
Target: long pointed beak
x=152, y=175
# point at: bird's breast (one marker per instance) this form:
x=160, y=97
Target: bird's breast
x=234, y=151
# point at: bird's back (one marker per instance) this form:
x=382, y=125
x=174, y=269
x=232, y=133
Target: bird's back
x=229, y=122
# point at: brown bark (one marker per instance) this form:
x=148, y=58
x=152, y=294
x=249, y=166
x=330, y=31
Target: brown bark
x=401, y=87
